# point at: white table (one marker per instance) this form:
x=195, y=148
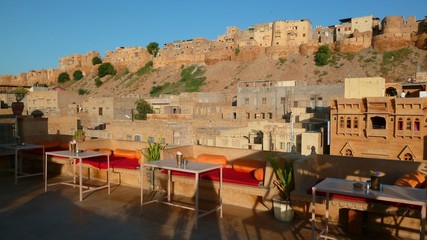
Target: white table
x=17, y=148
x=67, y=154
x=390, y=193
x=191, y=167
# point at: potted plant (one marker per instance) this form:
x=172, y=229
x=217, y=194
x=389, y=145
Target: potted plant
x=18, y=106
x=281, y=203
x=152, y=153
x=79, y=135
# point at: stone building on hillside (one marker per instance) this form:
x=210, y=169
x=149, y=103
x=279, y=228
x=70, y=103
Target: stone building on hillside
x=132, y=58
x=324, y=35
x=77, y=61
x=397, y=33
x=101, y=111
x=265, y=99
x=183, y=52
x=53, y=103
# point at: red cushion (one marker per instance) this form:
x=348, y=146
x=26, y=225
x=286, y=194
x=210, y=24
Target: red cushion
x=228, y=175
x=115, y=162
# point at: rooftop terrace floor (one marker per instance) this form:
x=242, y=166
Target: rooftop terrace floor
x=27, y=212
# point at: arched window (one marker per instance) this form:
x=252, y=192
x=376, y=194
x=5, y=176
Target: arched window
x=408, y=124
x=341, y=122
x=400, y=124
x=348, y=153
x=348, y=122
x=408, y=157
x=417, y=124
x=356, y=122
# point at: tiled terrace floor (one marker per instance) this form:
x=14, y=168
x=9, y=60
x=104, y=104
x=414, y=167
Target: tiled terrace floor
x=27, y=212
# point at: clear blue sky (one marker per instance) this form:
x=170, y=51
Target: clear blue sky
x=36, y=34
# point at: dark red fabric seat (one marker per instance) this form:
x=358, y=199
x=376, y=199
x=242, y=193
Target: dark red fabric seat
x=228, y=175
x=115, y=162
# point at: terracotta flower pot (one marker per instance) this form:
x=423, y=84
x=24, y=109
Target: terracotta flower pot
x=17, y=108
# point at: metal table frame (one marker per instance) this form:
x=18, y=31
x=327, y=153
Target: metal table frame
x=18, y=148
x=191, y=167
x=80, y=156
x=390, y=193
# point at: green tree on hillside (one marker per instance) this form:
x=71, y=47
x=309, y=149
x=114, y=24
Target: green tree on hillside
x=96, y=60
x=143, y=108
x=322, y=55
x=98, y=82
x=106, y=69
x=153, y=48
x=82, y=91
x=63, y=77
x=77, y=75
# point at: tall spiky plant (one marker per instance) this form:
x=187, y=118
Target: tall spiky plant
x=284, y=175
x=153, y=151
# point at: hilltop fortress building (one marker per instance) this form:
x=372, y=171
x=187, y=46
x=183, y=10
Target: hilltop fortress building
x=274, y=39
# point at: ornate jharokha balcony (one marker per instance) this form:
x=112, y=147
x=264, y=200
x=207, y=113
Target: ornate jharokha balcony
x=28, y=212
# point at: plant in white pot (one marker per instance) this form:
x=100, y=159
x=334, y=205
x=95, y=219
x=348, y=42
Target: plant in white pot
x=282, y=202
x=152, y=153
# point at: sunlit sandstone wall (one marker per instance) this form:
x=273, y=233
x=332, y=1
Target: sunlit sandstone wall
x=132, y=58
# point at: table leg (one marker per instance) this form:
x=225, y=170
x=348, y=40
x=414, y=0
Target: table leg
x=80, y=179
x=423, y=222
x=327, y=212
x=141, y=176
x=196, y=190
x=74, y=170
x=16, y=166
x=313, y=211
x=219, y=192
x=169, y=185
x=108, y=173
x=45, y=171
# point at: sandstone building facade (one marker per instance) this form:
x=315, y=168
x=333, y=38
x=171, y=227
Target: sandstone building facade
x=379, y=127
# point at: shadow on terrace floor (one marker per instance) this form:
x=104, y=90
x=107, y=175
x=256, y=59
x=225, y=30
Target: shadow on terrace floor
x=27, y=212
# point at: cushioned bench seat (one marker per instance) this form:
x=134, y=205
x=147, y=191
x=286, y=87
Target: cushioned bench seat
x=115, y=162
x=228, y=175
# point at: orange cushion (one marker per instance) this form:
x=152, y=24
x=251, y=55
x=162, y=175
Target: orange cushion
x=213, y=159
x=50, y=144
x=106, y=150
x=412, y=179
x=247, y=165
x=133, y=154
x=259, y=174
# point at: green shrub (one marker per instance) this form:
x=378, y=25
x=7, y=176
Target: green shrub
x=322, y=55
x=148, y=67
x=82, y=91
x=191, y=80
x=96, y=60
x=98, y=82
x=282, y=60
x=153, y=48
x=77, y=75
x=106, y=69
x=63, y=77
x=237, y=51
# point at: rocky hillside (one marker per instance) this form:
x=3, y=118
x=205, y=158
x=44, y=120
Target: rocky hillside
x=394, y=66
